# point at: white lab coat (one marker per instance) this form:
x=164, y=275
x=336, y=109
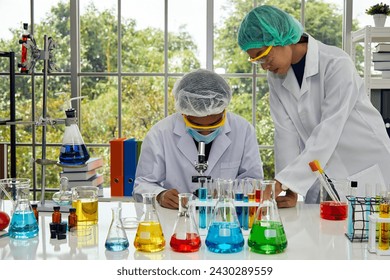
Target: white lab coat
x=168, y=156
x=330, y=118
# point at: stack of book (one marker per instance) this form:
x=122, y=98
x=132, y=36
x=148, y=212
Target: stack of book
x=86, y=175
x=381, y=59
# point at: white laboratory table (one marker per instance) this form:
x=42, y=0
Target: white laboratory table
x=309, y=238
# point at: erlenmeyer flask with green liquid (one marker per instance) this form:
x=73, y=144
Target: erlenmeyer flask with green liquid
x=267, y=235
x=149, y=236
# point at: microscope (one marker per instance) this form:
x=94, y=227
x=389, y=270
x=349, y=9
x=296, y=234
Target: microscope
x=201, y=166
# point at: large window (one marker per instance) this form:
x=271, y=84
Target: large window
x=124, y=57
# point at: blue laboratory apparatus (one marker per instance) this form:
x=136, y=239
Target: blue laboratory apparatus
x=224, y=233
x=73, y=149
x=23, y=222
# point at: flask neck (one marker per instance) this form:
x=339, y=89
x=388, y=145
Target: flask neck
x=149, y=203
x=268, y=190
x=185, y=202
x=23, y=193
x=116, y=215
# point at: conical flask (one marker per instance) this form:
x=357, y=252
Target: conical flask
x=185, y=237
x=23, y=223
x=267, y=235
x=149, y=236
x=64, y=196
x=224, y=233
x=116, y=238
x=73, y=149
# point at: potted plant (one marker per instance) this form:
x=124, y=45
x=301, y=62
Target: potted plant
x=379, y=12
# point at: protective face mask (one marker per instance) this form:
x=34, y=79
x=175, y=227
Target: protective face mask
x=204, y=138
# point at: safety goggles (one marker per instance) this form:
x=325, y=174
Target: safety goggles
x=209, y=127
x=261, y=58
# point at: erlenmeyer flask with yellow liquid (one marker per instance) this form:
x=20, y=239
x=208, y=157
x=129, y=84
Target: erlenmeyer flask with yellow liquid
x=149, y=236
x=267, y=235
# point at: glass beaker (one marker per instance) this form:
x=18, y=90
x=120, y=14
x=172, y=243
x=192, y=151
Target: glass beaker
x=23, y=223
x=334, y=210
x=116, y=238
x=149, y=236
x=267, y=235
x=73, y=149
x=85, y=200
x=185, y=237
x=64, y=196
x=224, y=233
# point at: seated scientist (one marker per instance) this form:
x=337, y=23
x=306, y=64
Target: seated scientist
x=170, y=149
x=318, y=104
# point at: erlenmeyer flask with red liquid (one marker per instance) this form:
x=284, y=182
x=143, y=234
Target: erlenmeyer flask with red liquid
x=185, y=237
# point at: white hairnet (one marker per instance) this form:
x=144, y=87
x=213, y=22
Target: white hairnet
x=201, y=93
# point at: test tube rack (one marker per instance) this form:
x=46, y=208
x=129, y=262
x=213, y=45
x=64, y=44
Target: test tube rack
x=360, y=208
x=209, y=203
x=372, y=233
x=213, y=202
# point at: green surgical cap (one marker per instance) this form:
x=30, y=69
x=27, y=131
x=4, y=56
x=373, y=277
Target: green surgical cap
x=268, y=26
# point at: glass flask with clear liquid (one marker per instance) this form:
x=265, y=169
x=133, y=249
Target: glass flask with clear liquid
x=267, y=235
x=185, y=237
x=23, y=222
x=224, y=233
x=64, y=195
x=149, y=236
x=116, y=238
x=73, y=149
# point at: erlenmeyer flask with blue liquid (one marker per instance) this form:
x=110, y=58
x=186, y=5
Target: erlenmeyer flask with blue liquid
x=224, y=233
x=73, y=149
x=23, y=223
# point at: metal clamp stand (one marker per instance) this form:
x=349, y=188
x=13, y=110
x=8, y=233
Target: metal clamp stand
x=48, y=66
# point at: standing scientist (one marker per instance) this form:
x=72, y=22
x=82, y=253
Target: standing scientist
x=318, y=105
x=170, y=149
